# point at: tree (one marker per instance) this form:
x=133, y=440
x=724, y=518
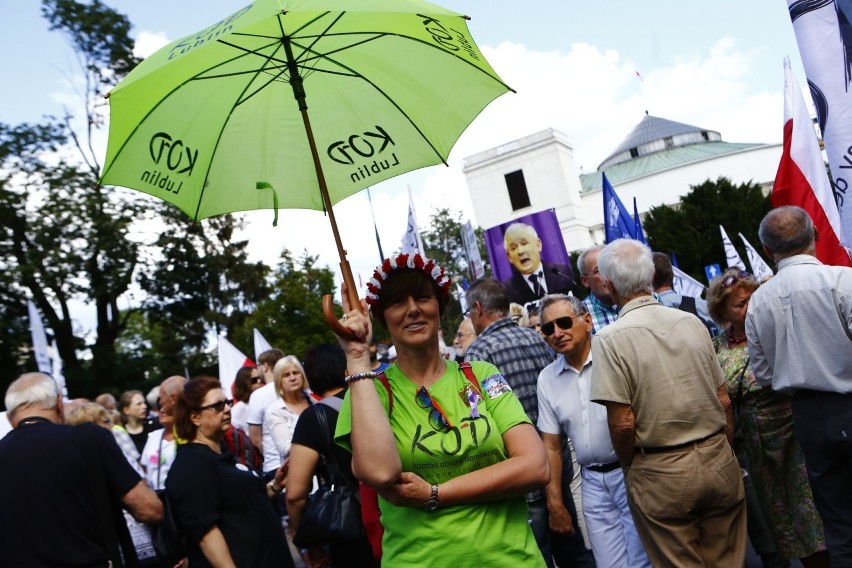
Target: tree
x=291, y=318
x=201, y=284
x=443, y=243
x=64, y=237
x=691, y=229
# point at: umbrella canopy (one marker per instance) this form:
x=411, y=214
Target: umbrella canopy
x=255, y=110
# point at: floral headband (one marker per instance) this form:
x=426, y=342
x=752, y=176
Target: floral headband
x=414, y=261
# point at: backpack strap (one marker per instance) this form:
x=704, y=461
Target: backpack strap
x=385, y=383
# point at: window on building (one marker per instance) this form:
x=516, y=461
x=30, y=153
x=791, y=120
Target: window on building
x=518, y=195
x=634, y=152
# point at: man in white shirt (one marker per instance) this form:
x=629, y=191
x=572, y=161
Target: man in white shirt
x=799, y=329
x=565, y=408
x=260, y=401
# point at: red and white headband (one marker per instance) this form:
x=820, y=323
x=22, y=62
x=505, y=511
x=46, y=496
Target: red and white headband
x=414, y=261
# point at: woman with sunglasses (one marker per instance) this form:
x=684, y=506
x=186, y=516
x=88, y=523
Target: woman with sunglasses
x=223, y=507
x=451, y=452
x=247, y=381
x=765, y=442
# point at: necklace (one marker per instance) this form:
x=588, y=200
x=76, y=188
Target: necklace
x=434, y=375
x=734, y=341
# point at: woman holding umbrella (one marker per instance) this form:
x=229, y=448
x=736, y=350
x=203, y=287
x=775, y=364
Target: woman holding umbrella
x=449, y=450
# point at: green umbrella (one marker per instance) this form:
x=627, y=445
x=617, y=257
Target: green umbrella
x=297, y=104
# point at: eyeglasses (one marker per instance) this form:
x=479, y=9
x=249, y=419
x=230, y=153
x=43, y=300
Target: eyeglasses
x=437, y=419
x=218, y=406
x=255, y=380
x=732, y=279
x=461, y=334
x=565, y=322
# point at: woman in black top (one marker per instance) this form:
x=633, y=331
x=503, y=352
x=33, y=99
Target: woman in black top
x=325, y=368
x=223, y=507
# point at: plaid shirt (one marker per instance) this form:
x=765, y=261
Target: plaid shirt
x=520, y=353
x=602, y=315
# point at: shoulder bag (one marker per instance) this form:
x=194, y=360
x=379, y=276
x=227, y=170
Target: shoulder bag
x=333, y=511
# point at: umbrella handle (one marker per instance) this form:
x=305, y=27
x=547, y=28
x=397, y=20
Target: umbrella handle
x=331, y=318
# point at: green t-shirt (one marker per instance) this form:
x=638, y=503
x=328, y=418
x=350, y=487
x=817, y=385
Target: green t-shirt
x=494, y=533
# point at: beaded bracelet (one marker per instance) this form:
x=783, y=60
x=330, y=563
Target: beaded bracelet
x=359, y=376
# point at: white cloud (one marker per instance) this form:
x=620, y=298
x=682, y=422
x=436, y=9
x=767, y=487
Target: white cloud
x=592, y=96
x=149, y=42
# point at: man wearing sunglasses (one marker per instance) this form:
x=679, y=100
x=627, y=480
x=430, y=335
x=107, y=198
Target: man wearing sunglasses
x=520, y=353
x=799, y=330
x=669, y=419
x=565, y=408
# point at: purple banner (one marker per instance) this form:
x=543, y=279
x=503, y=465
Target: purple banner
x=529, y=257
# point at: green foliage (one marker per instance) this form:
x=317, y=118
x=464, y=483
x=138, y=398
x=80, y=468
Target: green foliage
x=290, y=317
x=691, y=230
x=443, y=243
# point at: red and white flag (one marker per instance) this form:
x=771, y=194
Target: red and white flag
x=260, y=344
x=802, y=180
x=824, y=35
x=231, y=360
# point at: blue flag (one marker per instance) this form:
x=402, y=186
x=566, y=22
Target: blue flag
x=674, y=260
x=617, y=221
x=637, y=225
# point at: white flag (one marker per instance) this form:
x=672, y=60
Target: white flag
x=42, y=357
x=822, y=32
x=471, y=250
x=462, y=297
x=260, y=344
x=231, y=360
x=758, y=266
x=686, y=285
x=412, y=243
x=731, y=254
x=58, y=376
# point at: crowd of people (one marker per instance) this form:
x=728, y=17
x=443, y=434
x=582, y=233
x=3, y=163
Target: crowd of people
x=635, y=427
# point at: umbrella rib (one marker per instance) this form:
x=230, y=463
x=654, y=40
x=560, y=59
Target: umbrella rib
x=240, y=100
x=389, y=99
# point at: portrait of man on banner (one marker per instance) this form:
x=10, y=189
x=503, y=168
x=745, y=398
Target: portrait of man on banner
x=528, y=256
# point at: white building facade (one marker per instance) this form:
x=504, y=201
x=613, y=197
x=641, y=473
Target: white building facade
x=656, y=163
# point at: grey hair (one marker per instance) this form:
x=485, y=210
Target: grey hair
x=579, y=307
x=629, y=265
x=786, y=231
x=491, y=295
x=581, y=260
x=31, y=389
x=529, y=229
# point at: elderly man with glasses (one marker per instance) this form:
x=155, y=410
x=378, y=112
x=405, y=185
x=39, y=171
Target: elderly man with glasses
x=565, y=408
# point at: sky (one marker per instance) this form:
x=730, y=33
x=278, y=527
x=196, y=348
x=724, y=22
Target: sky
x=588, y=69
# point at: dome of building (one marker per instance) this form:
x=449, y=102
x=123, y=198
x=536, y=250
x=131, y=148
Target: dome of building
x=654, y=134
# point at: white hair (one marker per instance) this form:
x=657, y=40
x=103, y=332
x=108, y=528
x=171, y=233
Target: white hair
x=581, y=260
x=629, y=265
x=31, y=389
x=514, y=227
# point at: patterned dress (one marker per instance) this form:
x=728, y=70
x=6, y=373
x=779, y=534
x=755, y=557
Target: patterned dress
x=772, y=456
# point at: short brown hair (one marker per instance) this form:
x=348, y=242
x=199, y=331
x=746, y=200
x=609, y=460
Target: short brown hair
x=188, y=401
x=404, y=282
x=241, y=388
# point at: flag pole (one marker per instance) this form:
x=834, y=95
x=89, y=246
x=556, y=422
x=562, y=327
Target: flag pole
x=376, y=228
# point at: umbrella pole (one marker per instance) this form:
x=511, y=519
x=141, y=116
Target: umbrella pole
x=345, y=269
